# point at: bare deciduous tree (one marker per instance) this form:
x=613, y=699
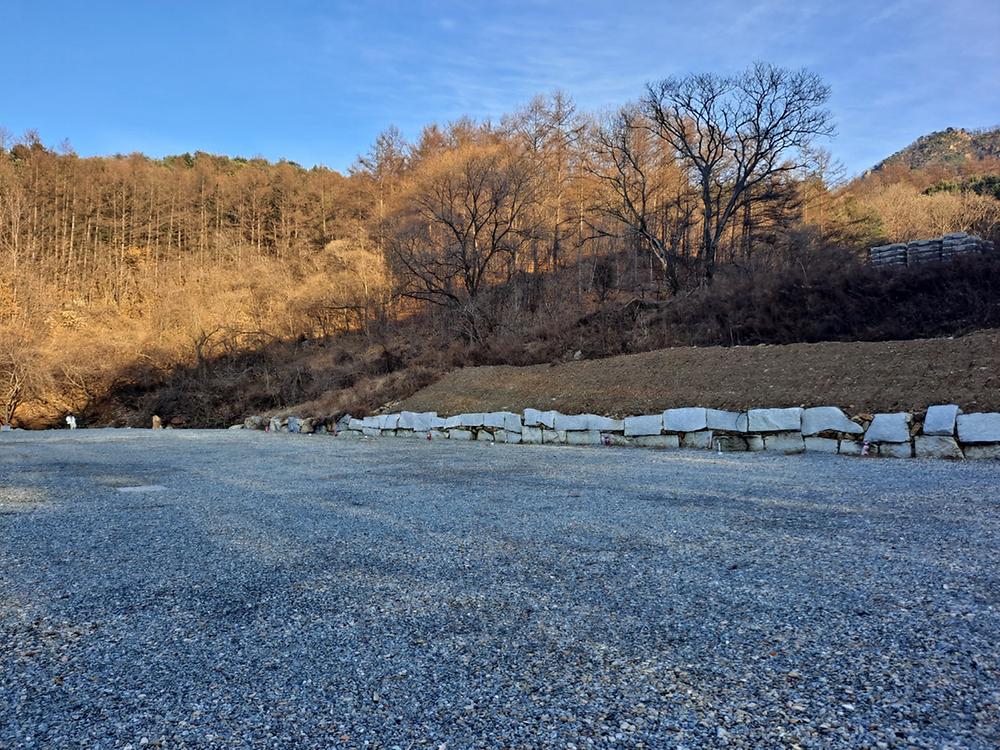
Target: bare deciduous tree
x=551, y=128
x=643, y=190
x=462, y=226
x=23, y=376
x=735, y=132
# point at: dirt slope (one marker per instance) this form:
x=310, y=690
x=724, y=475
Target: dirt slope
x=857, y=376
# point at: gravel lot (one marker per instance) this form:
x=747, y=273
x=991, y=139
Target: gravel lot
x=300, y=591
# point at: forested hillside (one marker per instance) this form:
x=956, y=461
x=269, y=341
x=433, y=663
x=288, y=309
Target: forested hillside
x=201, y=286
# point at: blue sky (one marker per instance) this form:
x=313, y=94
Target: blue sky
x=315, y=82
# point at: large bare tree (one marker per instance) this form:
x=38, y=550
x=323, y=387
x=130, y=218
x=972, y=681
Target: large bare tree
x=735, y=133
x=643, y=191
x=551, y=130
x=23, y=374
x=462, y=226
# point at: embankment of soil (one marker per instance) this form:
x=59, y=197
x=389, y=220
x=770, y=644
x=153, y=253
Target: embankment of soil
x=857, y=376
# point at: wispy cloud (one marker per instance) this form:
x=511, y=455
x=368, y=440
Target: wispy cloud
x=316, y=82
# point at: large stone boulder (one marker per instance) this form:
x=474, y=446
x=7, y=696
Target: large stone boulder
x=649, y=424
x=822, y=445
x=731, y=444
x=254, y=423
x=536, y=418
x=417, y=421
x=941, y=419
x=388, y=421
x=472, y=420
x=572, y=421
x=503, y=420
x=895, y=450
x=784, y=442
x=689, y=419
x=605, y=424
x=851, y=447
x=493, y=419
x=698, y=440
x=983, y=451
x=657, y=441
x=580, y=422
x=774, y=420
x=583, y=437
x=889, y=428
x=979, y=428
x=725, y=421
x=828, y=419
x=531, y=435
x=936, y=446
x=553, y=436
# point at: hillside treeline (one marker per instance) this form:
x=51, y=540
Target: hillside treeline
x=133, y=284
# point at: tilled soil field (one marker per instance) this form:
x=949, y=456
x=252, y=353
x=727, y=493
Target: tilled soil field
x=858, y=376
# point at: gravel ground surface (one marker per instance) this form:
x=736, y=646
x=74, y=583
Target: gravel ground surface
x=301, y=591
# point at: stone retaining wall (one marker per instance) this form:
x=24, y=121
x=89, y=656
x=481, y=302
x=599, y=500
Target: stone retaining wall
x=943, y=431
x=929, y=251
